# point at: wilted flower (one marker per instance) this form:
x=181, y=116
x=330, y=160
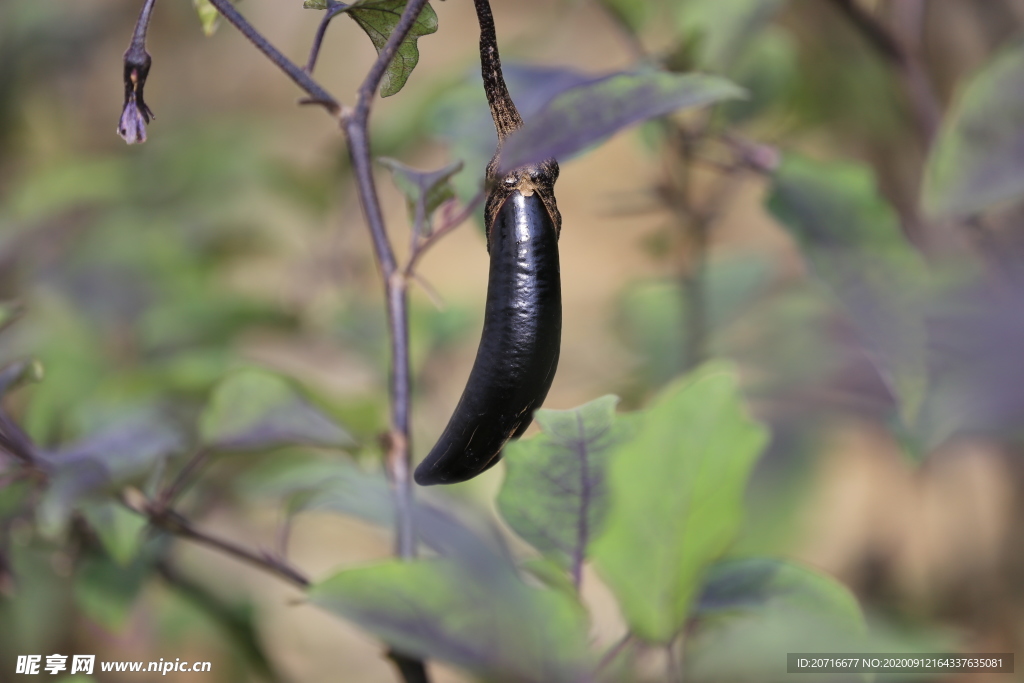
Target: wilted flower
x=135, y=115
x=133, y=121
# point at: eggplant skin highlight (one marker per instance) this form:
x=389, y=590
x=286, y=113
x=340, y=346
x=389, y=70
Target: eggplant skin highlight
x=519, y=348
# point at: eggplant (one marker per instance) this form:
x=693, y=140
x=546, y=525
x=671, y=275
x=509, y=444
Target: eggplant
x=519, y=347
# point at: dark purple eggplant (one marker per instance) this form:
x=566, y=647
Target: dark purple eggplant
x=519, y=347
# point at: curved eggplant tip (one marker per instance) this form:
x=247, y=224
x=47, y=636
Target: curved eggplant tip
x=424, y=476
x=432, y=472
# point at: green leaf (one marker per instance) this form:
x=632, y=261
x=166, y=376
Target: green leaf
x=41, y=596
x=429, y=188
x=724, y=28
x=588, y=113
x=633, y=13
x=379, y=18
x=747, y=585
x=60, y=186
x=765, y=608
x=106, y=592
x=254, y=409
x=852, y=240
x=119, y=529
x=14, y=496
x=769, y=71
x=676, y=498
x=488, y=622
x=548, y=573
x=209, y=17
x=654, y=315
x=555, y=494
x=977, y=160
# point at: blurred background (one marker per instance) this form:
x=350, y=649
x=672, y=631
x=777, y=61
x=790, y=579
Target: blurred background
x=233, y=238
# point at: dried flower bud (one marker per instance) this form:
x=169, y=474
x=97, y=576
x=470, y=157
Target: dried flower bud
x=135, y=114
x=133, y=122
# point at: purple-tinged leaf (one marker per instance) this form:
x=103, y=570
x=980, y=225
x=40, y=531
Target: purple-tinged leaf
x=978, y=158
x=533, y=86
x=590, y=112
x=339, y=486
x=431, y=188
x=127, y=447
x=851, y=238
x=253, y=410
x=122, y=452
x=462, y=119
x=489, y=623
x=976, y=337
x=555, y=495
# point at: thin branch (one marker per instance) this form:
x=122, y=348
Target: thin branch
x=355, y=123
x=171, y=493
x=317, y=94
x=173, y=523
x=753, y=156
x=675, y=670
x=284, y=533
x=916, y=82
x=359, y=152
x=355, y=126
x=15, y=441
x=429, y=290
x=449, y=224
x=615, y=650
x=333, y=10
x=875, y=33
x=419, y=221
x=398, y=458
